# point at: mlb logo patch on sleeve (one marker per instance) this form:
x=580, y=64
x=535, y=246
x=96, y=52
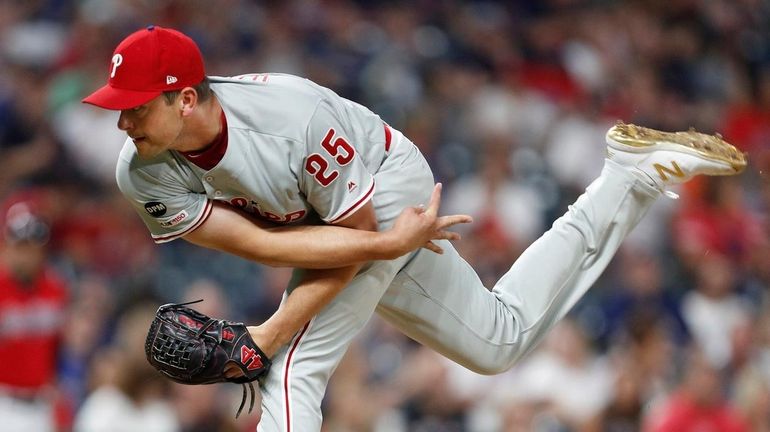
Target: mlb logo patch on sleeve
x=174, y=220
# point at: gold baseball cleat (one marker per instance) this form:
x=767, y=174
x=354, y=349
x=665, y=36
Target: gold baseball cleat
x=669, y=158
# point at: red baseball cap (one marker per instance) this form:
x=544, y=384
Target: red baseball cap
x=147, y=63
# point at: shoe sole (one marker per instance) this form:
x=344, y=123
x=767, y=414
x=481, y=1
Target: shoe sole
x=638, y=139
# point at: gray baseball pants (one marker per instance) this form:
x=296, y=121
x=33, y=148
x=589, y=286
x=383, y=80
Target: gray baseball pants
x=439, y=301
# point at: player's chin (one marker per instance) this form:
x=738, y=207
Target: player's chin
x=145, y=149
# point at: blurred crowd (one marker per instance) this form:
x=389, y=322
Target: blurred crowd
x=509, y=101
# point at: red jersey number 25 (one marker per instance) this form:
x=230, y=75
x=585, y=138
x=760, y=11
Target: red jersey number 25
x=339, y=150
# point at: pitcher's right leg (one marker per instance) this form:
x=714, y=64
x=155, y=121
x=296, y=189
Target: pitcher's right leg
x=439, y=300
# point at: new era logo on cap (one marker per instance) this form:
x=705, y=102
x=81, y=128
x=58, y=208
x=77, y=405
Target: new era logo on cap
x=147, y=63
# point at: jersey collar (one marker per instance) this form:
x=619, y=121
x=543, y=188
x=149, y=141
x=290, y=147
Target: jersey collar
x=213, y=153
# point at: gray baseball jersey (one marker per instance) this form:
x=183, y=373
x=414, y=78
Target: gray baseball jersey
x=295, y=148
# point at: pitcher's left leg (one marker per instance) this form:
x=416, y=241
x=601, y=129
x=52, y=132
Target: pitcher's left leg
x=294, y=388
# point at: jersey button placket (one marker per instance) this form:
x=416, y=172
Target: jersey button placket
x=209, y=186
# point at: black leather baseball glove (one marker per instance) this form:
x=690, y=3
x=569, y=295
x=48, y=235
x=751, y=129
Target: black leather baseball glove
x=192, y=348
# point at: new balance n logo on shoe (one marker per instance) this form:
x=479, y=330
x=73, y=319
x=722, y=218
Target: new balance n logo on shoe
x=663, y=170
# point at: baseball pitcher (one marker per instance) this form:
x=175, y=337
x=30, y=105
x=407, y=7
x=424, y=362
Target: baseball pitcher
x=208, y=158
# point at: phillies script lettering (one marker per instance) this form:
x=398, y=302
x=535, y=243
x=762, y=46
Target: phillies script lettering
x=252, y=206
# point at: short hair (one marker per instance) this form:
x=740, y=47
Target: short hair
x=203, y=89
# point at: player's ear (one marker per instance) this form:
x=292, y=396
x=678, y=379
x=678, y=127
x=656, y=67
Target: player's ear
x=188, y=100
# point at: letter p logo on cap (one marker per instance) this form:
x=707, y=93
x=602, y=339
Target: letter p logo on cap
x=117, y=60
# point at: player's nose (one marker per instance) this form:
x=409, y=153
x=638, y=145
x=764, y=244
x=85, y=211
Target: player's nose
x=124, y=123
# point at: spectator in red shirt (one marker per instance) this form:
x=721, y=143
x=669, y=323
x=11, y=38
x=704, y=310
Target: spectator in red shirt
x=716, y=218
x=32, y=303
x=746, y=123
x=698, y=405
